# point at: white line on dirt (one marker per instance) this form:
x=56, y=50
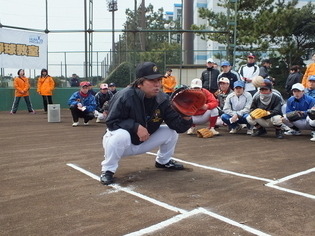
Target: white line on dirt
x=305, y=172
x=182, y=213
x=218, y=169
x=196, y=211
x=291, y=191
x=128, y=190
x=270, y=183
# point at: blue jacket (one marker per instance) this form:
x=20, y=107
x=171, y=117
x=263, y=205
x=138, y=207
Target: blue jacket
x=303, y=104
x=310, y=92
x=88, y=102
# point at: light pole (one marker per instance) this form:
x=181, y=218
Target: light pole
x=168, y=27
x=112, y=7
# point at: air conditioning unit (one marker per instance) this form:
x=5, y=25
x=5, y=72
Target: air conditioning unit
x=53, y=112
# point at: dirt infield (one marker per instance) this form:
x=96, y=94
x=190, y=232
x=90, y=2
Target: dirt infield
x=232, y=184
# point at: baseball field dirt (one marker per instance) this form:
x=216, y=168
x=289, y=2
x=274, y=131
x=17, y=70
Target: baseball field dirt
x=232, y=184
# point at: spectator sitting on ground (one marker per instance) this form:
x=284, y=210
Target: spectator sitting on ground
x=236, y=108
x=102, y=99
x=300, y=102
x=82, y=105
x=112, y=88
x=271, y=103
x=208, y=113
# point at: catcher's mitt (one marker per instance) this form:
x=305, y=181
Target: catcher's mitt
x=258, y=81
x=259, y=113
x=188, y=101
x=294, y=115
x=204, y=133
x=311, y=113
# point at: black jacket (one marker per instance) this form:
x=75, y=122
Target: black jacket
x=101, y=99
x=293, y=78
x=274, y=107
x=126, y=111
x=209, y=78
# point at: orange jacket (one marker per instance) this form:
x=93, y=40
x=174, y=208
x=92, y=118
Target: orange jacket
x=168, y=84
x=22, y=86
x=310, y=70
x=45, y=85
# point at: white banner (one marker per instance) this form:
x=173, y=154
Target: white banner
x=23, y=49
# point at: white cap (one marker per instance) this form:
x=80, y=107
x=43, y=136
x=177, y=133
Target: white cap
x=210, y=60
x=196, y=83
x=224, y=80
x=298, y=86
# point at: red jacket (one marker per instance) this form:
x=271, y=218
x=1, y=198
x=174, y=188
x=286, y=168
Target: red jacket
x=211, y=102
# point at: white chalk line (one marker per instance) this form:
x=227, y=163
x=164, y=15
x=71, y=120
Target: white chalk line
x=305, y=172
x=199, y=210
x=183, y=213
x=218, y=169
x=127, y=190
x=270, y=183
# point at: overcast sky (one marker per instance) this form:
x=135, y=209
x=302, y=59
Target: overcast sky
x=69, y=15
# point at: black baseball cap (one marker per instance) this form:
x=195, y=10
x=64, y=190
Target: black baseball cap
x=112, y=85
x=148, y=70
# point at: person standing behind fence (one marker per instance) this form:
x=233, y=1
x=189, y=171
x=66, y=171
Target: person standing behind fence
x=22, y=87
x=168, y=82
x=45, y=87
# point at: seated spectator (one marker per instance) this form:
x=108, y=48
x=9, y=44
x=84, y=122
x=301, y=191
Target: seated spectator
x=300, y=102
x=102, y=98
x=271, y=103
x=112, y=88
x=223, y=91
x=208, y=113
x=236, y=108
x=82, y=105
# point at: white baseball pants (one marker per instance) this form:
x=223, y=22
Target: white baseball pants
x=117, y=144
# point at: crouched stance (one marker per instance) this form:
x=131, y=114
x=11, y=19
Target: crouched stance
x=134, y=123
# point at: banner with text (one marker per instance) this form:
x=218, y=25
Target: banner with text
x=23, y=49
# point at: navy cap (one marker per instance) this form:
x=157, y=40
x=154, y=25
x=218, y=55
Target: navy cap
x=148, y=70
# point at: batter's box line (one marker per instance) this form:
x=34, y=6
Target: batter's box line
x=273, y=184
x=270, y=183
x=183, y=214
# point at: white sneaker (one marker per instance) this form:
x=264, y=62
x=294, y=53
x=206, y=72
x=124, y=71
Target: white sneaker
x=192, y=130
x=249, y=131
x=235, y=130
x=98, y=120
x=87, y=123
x=313, y=136
x=214, y=131
x=75, y=124
x=292, y=132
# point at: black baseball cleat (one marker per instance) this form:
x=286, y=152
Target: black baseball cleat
x=172, y=165
x=260, y=131
x=107, y=177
